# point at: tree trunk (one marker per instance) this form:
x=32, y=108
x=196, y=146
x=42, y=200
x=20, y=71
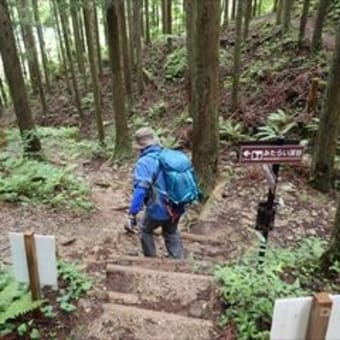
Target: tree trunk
x=89, y=21
x=147, y=23
x=122, y=143
x=41, y=42
x=247, y=17
x=237, y=58
x=303, y=21
x=320, y=18
x=260, y=8
x=154, y=16
x=130, y=25
x=28, y=38
x=8, y=50
x=226, y=13
x=233, y=9
x=163, y=10
x=103, y=8
x=275, y=5
x=168, y=23
x=78, y=44
x=125, y=51
x=255, y=8
x=332, y=254
x=190, y=27
x=82, y=33
x=279, y=12
x=325, y=146
x=16, y=31
x=138, y=43
x=61, y=45
x=66, y=34
x=205, y=92
x=97, y=39
x=288, y=5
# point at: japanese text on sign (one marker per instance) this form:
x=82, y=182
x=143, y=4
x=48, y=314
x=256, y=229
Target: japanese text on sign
x=270, y=153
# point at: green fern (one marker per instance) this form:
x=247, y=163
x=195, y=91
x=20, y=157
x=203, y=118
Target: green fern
x=19, y=307
x=15, y=300
x=8, y=294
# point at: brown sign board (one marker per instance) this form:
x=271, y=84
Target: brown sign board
x=272, y=154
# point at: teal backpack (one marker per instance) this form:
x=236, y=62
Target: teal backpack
x=180, y=180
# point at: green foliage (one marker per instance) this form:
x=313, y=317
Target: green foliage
x=278, y=124
x=231, y=130
x=15, y=300
x=78, y=283
x=138, y=121
x=157, y=110
x=165, y=137
x=249, y=292
x=63, y=143
x=313, y=125
x=176, y=63
x=87, y=102
x=23, y=180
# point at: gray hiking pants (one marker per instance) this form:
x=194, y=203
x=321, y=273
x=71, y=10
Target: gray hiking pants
x=170, y=234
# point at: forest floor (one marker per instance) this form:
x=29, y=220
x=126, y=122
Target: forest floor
x=138, y=298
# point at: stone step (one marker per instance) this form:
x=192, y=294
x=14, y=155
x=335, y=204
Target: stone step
x=133, y=323
x=181, y=293
x=198, y=309
x=164, y=264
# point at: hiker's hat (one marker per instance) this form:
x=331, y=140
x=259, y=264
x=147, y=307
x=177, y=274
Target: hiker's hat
x=145, y=137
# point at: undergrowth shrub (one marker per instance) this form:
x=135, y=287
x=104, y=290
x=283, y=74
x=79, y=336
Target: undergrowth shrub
x=176, y=63
x=63, y=143
x=24, y=180
x=249, y=292
x=15, y=301
x=278, y=124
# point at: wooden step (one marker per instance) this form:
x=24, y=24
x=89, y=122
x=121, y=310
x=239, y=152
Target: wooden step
x=182, y=293
x=126, y=322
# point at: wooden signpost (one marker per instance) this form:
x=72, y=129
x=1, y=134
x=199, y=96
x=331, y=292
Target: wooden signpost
x=265, y=153
x=319, y=316
x=306, y=318
x=32, y=265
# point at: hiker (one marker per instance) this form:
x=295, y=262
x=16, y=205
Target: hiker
x=163, y=208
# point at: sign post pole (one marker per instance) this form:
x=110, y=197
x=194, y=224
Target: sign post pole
x=267, y=153
x=270, y=211
x=319, y=316
x=32, y=265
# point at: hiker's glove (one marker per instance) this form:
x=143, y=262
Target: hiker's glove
x=132, y=221
x=131, y=225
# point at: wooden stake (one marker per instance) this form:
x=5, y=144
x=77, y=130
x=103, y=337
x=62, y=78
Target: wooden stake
x=319, y=316
x=312, y=101
x=32, y=265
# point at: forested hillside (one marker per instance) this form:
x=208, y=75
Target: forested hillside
x=80, y=79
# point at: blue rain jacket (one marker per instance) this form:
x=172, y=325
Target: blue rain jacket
x=149, y=186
